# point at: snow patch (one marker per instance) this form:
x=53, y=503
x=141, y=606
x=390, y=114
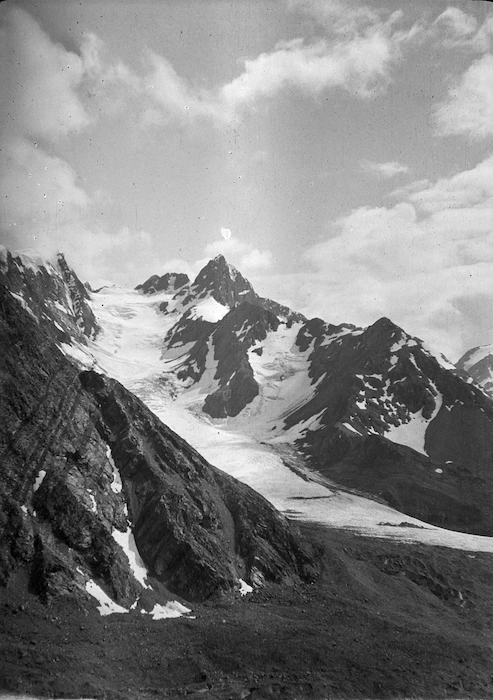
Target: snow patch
x=94, y=506
x=106, y=605
x=116, y=485
x=126, y=541
x=39, y=480
x=245, y=588
x=172, y=609
x=77, y=352
x=413, y=433
x=209, y=310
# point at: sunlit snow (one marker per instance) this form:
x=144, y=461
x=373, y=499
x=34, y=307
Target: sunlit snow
x=163, y=612
x=127, y=543
x=106, y=605
x=39, y=480
x=413, y=433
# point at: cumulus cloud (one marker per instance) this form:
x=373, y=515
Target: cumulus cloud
x=459, y=29
x=384, y=170
x=358, y=57
x=244, y=256
x=39, y=80
x=426, y=262
x=468, y=109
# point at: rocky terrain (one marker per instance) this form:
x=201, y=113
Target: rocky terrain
x=478, y=364
x=371, y=408
x=131, y=567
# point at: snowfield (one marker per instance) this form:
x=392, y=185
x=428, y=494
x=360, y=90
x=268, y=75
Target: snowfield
x=129, y=349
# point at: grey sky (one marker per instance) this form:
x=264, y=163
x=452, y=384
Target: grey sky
x=347, y=147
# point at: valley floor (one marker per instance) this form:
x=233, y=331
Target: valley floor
x=385, y=620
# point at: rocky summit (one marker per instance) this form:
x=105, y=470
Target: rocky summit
x=203, y=492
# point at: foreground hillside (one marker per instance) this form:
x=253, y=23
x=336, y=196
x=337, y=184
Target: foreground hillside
x=383, y=621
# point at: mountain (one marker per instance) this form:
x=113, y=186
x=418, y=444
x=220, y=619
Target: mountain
x=478, y=363
x=98, y=497
x=371, y=409
x=168, y=282
x=131, y=567
x=51, y=293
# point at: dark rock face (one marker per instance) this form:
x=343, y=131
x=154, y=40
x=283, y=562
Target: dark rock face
x=171, y=281
x=51, y=293
x=234, y=335
x=223, y=281
x=378, y=379
x=65, y=436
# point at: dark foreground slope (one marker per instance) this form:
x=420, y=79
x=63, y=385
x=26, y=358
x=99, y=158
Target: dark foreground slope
x=82, y=458
x=382, y=621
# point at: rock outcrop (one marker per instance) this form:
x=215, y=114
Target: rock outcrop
x=169, y=282
x=478, y=364
x=51, y=292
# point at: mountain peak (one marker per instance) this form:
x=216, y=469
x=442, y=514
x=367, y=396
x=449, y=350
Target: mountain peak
x=223, y=282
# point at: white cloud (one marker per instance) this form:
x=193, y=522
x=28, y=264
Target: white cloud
x=358, y=58
x=427, y=263
x=360, y=64
x=38, y=189
x=385, y=170
x=458, y=29
x=468, y=110
x=244, y=256
x=39, y=81
x=458, y=23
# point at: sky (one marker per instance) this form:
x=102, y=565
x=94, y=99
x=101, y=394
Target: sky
x=339, y=153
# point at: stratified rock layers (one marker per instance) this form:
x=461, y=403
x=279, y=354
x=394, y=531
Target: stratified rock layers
x=66, y=438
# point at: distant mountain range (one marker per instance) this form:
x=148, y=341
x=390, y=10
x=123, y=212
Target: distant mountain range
x=371, y=408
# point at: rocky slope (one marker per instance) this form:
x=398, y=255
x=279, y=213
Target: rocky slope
x=371, y=408
x=393, y=421
x=478, y=364
x=51, y=292
x=90, y=475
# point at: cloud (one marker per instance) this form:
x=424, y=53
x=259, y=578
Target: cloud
x=39, y=81
x=385, y=170
x=358, y=57
x=244, y=256
x=468, y=110
x=458, y=29
x=426, y=262
x=38, y=189
x=360, y=65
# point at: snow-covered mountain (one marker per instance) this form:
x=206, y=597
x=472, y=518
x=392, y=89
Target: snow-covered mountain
x=370, y=408
x=99, y=499
x=124, y=416
x=478, y=363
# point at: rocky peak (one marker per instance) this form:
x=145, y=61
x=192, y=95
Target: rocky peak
x=51, y=292
x=169, y=282
x=223, y=282
x=478, y=364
